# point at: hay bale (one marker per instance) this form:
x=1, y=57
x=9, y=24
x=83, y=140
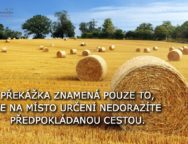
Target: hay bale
x=174, y=55
x=112, y=47
x=155, y=48
x=65, y=39
x=52, y=45
x=97, y=48
x=172, y=48
x=138, y=50
x=7, y=40
x=45, y=49
x=101, y=49
x=83, y=44
x=168, y=86
x=41, y=47
x=4, y=50
x=181, y=49
x=91, y=68
x=73, y=51
x=147, y=50
x=185, y=51
x=86, y=53
x=61, y=54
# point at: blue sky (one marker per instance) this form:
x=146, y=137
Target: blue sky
x=126, y=14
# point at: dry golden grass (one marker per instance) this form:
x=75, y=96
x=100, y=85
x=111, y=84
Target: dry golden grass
x=25, y=67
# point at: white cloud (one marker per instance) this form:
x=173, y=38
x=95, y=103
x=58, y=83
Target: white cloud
x=128, y=17
x=125, y=17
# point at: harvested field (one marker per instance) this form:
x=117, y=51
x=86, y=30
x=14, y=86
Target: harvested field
x=25, y=67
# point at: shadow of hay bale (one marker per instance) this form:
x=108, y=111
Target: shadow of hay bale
x=67, y=78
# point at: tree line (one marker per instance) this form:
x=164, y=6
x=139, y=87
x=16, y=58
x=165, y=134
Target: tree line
x=145, y=31
x=5, y=33
x=40, y=26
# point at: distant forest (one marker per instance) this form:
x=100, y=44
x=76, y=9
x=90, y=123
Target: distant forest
x=40, y=26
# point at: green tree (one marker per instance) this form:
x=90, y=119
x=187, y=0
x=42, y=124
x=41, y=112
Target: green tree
x=144, y=31
x=108, y=28
x=63, y=27
x=177, y=32
x=97, y=32
x=1, y=27
x=38, y=25
x=83, y=28
x=182, y=32
x=92, y=26
x=170, y=28
x=90, y=29
x=119, y=34
x=145, y=27
x=1, y=31
x=8, y=33
x=164, y=31
x=130, y=35
x=161, y=32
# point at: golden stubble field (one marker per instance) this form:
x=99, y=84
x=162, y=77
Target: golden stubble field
x=24, y=67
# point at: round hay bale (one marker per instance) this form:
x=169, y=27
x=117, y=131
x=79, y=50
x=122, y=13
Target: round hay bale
x=168, y=86
x=7, y=40
x=181, y=49
x=155, y=48
x=65, y=39
x=172, y=48
x=4, y=50
x=138, y=50
x=41, y=47
x=112, y=47
x=101, y=49
x=45, y=49
x=91, y=68
x=97, y=48
x=185, y=51
x=174, y=55
x=147, y=50
x=83, y=44
x=52, y=45
x=86, y=53
x=185, y=47
x=73, y=51
x=61, y=54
